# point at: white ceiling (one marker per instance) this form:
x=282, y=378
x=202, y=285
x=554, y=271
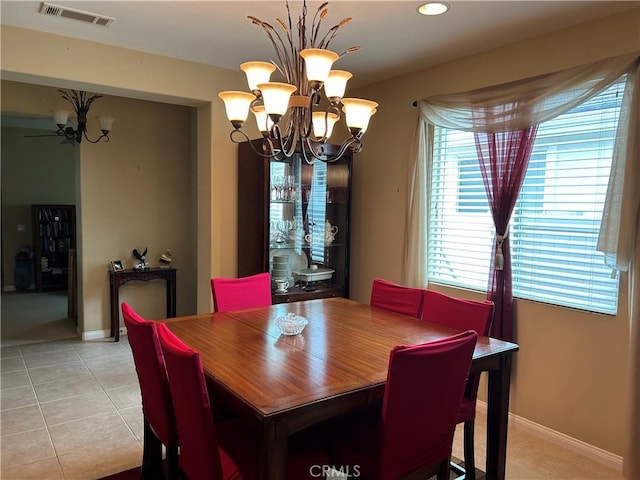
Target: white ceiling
x=395, y=39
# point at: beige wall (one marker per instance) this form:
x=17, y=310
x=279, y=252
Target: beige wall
x=581, y=356
x=570, y=372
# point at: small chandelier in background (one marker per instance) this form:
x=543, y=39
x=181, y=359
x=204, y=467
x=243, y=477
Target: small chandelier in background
x=289, y=115
x=81, y=103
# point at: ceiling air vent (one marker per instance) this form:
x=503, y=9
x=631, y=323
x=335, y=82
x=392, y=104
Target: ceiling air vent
x=66, y=12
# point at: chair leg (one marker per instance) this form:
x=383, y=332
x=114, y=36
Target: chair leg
x=173, y=468
x=151, y=454
x=469, y=453
x=443, y=470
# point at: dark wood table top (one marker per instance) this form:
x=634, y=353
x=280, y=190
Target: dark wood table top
x=344, y=348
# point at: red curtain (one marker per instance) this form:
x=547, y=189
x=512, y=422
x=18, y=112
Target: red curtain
x=503, y=157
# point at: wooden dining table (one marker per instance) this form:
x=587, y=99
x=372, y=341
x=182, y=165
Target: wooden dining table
x=338, y=364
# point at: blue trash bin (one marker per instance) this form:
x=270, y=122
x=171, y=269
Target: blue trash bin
x=23, y=274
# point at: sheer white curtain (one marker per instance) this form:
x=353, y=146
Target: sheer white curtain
x=518, y=105
x=619, y=240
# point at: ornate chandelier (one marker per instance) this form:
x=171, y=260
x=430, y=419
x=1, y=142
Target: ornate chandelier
x=292, y=116
x=81, y=103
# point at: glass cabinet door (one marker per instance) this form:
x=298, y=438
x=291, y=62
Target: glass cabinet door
x=325, y=209
x=293, y=221
x=286, y=233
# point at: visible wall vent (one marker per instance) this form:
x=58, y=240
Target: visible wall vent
x=74, y=14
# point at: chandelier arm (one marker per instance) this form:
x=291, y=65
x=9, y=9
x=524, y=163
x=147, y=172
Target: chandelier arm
x=357, y=146
x=238, y=131
x=306, y=145
x=62, y=132
x=246, y=138
x=286, y=145
x=354, y=143
x=101, y=137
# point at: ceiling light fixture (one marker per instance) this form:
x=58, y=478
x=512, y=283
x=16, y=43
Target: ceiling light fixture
x=433, y=8
x=81, y=103
x=289, y=114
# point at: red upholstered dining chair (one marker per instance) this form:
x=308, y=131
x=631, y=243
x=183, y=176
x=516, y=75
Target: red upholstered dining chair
x=413, y=434
x=159, y=421
x=226, y=450
x=397, y=298
x=238, y=293
x=462, y=314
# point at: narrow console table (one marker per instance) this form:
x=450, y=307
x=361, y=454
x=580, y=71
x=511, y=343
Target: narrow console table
x=119, y=278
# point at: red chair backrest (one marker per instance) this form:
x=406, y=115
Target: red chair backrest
x=238, y=293
x=152, y=376
x=461, y=314
x=422, y=397
x=458, y=313
x=199, y=454
x=397, y=298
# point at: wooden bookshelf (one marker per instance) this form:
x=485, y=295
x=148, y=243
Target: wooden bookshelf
x=54, y=235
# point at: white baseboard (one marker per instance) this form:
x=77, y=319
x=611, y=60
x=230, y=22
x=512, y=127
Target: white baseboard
x=596, y=454
x=98, y=334
x=12, y=288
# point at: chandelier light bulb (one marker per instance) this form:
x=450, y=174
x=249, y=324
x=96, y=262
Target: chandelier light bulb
x=60, y=117
x=237, y=106
x=262, y=119
x=257, y=72
x=358, y=112
x=336, y=84
x=105, y=124
x=323, y=124
x=318, y=63
x=276, y=97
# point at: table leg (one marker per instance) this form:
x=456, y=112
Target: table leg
x=115, y=312
x=497, y=419
x=171, y=297
x=273, y=452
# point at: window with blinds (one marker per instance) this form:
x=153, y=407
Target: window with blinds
x=556, y=220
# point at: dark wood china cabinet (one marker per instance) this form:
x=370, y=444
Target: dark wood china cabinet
x=293, y=221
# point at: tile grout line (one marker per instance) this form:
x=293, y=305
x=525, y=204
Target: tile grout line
x=44, y=421
x=117, y=410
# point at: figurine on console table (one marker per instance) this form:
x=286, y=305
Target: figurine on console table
x=141, y=262
x=165, y=259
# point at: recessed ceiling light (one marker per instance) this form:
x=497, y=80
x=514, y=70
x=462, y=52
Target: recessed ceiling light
x=433, y=8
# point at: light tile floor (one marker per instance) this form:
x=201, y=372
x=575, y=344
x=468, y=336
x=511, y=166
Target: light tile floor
x=71, y=410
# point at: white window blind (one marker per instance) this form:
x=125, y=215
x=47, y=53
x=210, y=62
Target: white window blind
x=555, y=223
x=317, y=210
